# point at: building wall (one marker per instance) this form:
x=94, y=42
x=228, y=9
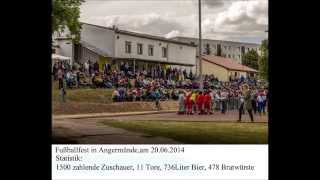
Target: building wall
x=101, y=38
x=176, y=53
x=157, y=48
x=239, y=73
x=221, y=73
x=182, y=54
x=229, y=49
x=65, y=48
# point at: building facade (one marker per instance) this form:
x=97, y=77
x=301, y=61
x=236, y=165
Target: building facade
x=141, y=51
x=62, y=45
x=228, y=49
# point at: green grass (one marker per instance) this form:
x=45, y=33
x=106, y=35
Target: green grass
x=199, y=132
x=83, y=95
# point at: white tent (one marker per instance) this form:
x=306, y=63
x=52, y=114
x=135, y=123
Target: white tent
x=57, y=57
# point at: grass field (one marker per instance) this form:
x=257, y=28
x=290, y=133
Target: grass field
x=87, y=95
x=199, y=132
x=99, y=100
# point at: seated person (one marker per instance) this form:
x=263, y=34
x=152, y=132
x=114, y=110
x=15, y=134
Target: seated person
x=138, y=94
x=97, y=80
x=115, y=96
x=129, y=96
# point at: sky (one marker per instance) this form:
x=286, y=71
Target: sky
x=233, y=20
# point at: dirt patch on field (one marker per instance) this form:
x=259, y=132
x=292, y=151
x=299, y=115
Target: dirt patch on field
x=72, y=107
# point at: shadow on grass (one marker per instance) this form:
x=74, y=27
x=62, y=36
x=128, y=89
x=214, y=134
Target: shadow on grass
x=198, y=132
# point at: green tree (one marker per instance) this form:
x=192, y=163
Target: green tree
x=250, y=59
x=263, y=60
x=66, y=14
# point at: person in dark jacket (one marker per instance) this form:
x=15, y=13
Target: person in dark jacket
x=96, y=67
x=247, y=102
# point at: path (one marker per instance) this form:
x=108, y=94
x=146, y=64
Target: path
x=90, y=131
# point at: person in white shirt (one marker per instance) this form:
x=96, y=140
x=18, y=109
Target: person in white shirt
x=260, y=103
x=212, y=95
x=86, y=67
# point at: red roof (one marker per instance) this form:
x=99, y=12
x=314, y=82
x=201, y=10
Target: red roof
x=227, y=63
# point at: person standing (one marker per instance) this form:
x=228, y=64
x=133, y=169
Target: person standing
x=241, y=106
x=63, y=94
x=223, y=99
x=54, y=71
x=60, y=78
x=247, y=102
x=181, y=103
x=254, y=101
x=200, y=100
x=213, y=105
x=264, y=97
x=96, y=67
x=157, y=99
x=86, y=68
x=207, y=103
x=193, y=99
x=188, y=104
x=260, y=103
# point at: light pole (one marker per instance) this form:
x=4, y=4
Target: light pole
x=200, y=48
x=200, y=41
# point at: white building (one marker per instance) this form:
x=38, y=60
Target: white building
x=228, y=49
x=62, y=45
x=113, y=46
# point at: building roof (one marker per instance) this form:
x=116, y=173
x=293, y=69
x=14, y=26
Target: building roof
x=237, y=42
x=227, y=63
x=94, y=49
x=143, y=35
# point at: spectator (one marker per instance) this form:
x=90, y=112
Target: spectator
x=200, y=100
x=96, y=67
x=247, y=102
x=60, y=78
x=181, y=103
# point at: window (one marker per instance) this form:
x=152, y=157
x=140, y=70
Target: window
x=139, y=48
x=150, y=50
x=208, y=45
x=214, y=46
x=229, y=47
x=128, y=47
x=225, y=47
x=229, y=56
x=164, y=52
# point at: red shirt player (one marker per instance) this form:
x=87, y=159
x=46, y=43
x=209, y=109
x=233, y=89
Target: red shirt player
x=188, y=104
x=207, y=102
x=199, y=102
